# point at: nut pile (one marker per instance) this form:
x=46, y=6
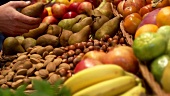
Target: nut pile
x=49, y=63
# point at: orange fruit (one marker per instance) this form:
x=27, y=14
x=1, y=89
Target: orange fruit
x=131, y=23
x=163, y=16
x=146, y=28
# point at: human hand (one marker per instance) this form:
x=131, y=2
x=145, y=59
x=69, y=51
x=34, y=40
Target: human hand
x=12, y=22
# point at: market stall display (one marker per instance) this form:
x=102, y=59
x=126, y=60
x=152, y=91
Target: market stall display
x=128, y=35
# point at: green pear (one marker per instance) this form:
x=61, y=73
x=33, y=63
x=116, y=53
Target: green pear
x=101, y=4
x=80, y=25
x=35, y=33
x=65, y=35
x=81, y=36
x=28, y=42
x=11, y=46
x=95, y=13
x=68, y=23
x=98, y=22
x=20, y=39
x=109, y=28
x=54, y=29
x=48, y=39
x=33, y=10
x=106, y=10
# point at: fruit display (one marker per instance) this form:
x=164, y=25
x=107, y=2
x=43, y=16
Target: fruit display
x=150, y=27
x=154, y=57
x=90, y=47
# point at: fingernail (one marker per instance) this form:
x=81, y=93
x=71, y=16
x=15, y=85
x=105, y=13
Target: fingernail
x=28, y=2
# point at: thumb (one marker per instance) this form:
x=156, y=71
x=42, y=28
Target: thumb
x=19, y=4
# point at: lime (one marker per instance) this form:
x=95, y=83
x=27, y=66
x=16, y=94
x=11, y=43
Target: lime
x=158, y=65
x=165, y=31
x=149, y=45
x=168, y=48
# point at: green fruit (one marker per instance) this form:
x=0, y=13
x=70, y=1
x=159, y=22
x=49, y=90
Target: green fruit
x=81, y=36
x=165, y=31
x=165, y=80
x=158, y=65
x=33, y=10
x=168, y=48
x=149, y=45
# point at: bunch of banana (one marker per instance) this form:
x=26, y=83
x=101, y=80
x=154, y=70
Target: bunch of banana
x=104, y=80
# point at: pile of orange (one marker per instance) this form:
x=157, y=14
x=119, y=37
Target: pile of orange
x=162, y=18
x=146, y=28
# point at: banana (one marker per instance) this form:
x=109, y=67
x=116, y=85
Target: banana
x=133, y=75
x=135, y=91
x=93, y=75
x=112, y=87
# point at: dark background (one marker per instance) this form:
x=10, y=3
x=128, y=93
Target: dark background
x=3, y=1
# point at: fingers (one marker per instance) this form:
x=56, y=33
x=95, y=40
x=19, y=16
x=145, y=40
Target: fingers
x=30, y=20
x=21, y=17
x=26, y=19
x=21, y=25
x=19, y=4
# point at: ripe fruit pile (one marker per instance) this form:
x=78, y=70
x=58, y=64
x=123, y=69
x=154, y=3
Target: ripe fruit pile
x=148, y=22
x=147, y=49
x=51, y=51
x=70, y=31
x=139, y=12
x=54, y=49
x=151, y=45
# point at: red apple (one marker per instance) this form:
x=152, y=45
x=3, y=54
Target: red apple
x=124, y=57
x=70, y=14
x=137, y=3
x=73, y=6
x=84, y=8
x=50, y=20
x=86, y=63
x=44, y=14
x=58, y=10
x=95, y=3
x=98, y=55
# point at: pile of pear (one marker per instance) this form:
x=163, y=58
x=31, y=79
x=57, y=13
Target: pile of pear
x=93, y=24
